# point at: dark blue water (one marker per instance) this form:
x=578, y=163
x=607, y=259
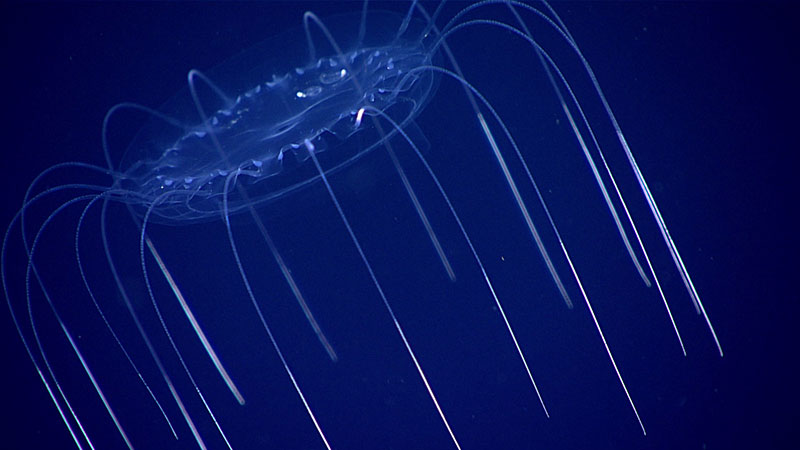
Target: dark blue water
x=705, y=94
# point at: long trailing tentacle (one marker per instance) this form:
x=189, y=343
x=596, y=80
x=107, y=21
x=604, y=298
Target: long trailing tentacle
x=262, y=318
x=384, y=299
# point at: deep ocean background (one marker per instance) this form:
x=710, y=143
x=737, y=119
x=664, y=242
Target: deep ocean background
x=706, y=93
